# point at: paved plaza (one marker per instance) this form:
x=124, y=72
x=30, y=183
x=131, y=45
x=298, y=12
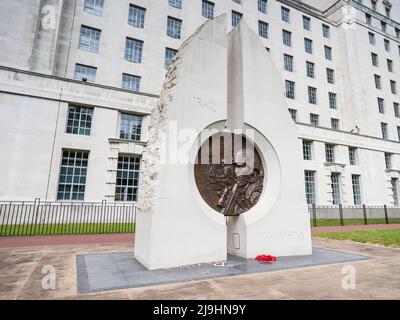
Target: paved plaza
x=376, y=278
x=106, y=272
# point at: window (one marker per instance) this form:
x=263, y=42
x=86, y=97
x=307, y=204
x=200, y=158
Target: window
x=72, y=180
x=330, y=153
x=353, y=156
x=263, y=6
x=310, y=67
x=384, y=128
x=398, y=133
x=287, y=38
x=328, y=53
x=94, y=7
x=237, y=1
x=133, y=50
x=293, y=114
x=130, y=82
x=397, y=32
x=335, y=124
x=174, y=27
x=288, y=62
x=89, y=39
x=378, y=82
x=312, y=95
x=388, y=160
x=85, y=73
x=236, y=16
x=381, y=105
x=396, y=109
x=175, y=3
x=372, y=39
x=263, y=29
x=314, y=119
x=285, y=13
x=387, y=12
x=326, y=31
x=309, y=177
x=335, y=183
x=169, y=56
x=395, y=190
x=368, y=19
x=308, y=45
x=79, y=120
x=306, y=23
x=131, y=127
x=332, y=100
x=330, y=76
x=208, y=9
x=393, y=86
x=127, y=183
x=290, y=89
x=373, y=4
x=136, y=16
x=390, y=65
x=307, y=150
x=383, y=26
x=374, y=58
x=387, y=45
x=355, y=180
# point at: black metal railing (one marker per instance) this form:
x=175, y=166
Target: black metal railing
x=38, y=218
x=340, y=215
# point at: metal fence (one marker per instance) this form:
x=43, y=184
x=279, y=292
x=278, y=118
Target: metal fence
x=353, y=215
x=38, y=218
x=35, y=218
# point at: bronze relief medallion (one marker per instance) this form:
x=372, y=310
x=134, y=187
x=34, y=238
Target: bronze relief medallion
x=229, y=174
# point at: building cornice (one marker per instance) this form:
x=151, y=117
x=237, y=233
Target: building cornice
x=125, y=141
x=43, y=75
x=389, y=146
x=373, y=13
x=376, y=30
x=35, y=85
x=312, y=11
x=335, y=6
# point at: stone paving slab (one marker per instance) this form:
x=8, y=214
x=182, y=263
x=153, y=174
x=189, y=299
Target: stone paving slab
x=112, y=271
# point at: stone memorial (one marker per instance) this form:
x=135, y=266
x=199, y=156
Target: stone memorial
x=221, y=174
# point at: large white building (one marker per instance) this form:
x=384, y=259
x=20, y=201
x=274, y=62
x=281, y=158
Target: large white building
x=79, y=78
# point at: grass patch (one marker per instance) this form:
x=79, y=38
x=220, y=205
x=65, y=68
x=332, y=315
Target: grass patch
x=389, y=238
x=352, y=222
x=66, y=229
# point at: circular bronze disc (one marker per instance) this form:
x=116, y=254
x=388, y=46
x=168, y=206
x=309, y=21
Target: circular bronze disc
x=230, y=179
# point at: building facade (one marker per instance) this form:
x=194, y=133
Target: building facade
x=79, y=78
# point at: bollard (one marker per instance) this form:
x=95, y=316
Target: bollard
x=386, y=214
x=365, y=214
x=341, y=214
x=314, y=212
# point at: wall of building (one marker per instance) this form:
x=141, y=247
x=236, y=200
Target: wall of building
x=18, y=21
x=34, y=107
x=33, y=134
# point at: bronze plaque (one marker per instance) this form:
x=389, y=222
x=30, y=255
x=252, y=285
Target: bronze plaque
x=230, y=179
